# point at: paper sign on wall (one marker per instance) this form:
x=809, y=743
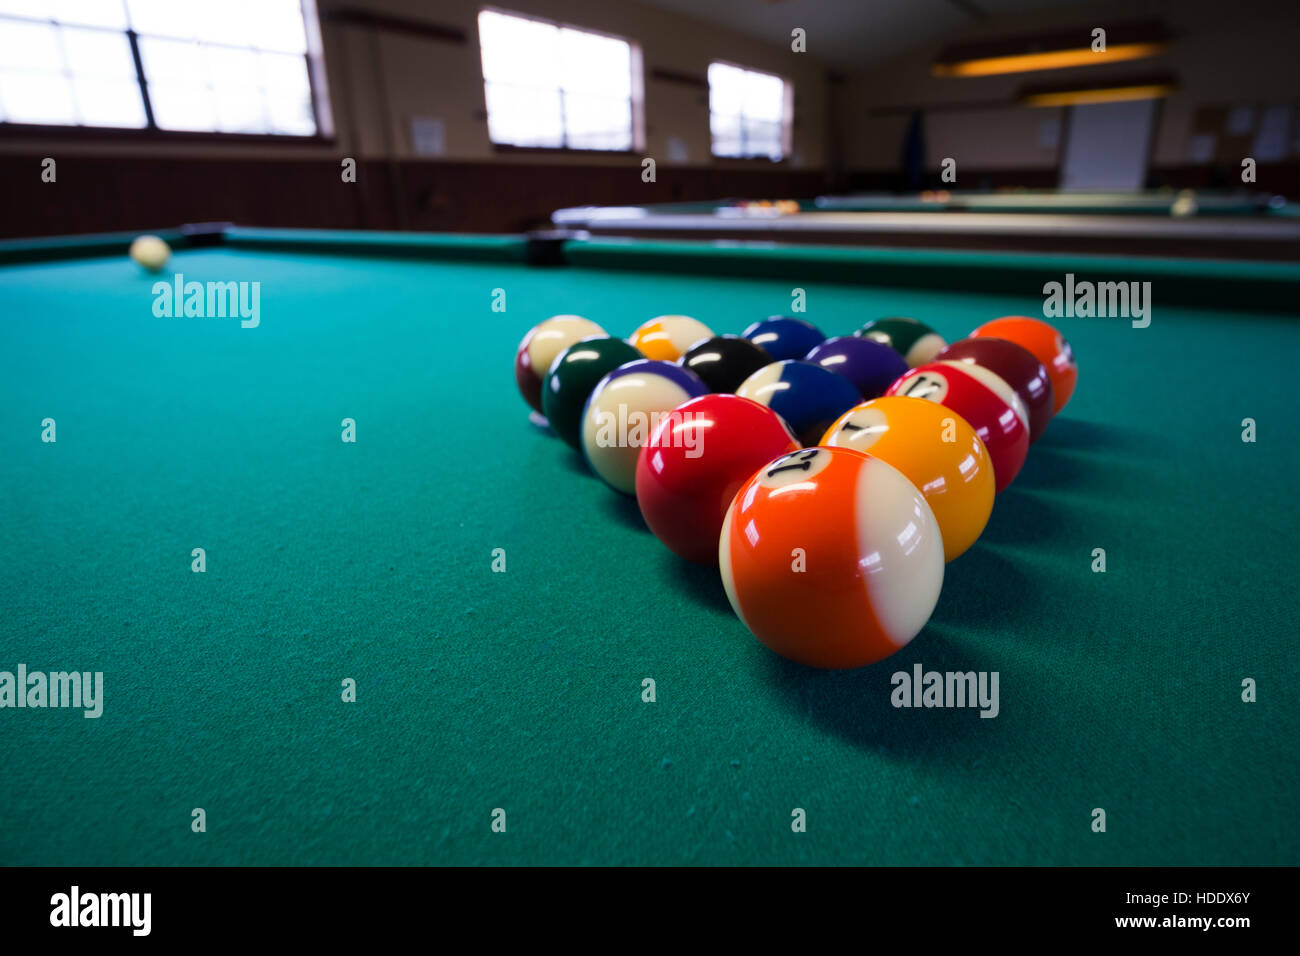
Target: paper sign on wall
x=428, y=136
x=1200, y=147
x=1049, y=133
x=1271, y=141
x=1241, y=120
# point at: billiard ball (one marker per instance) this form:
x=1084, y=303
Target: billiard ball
x=938, y=452
x=989, y=405
x=806, y=396
x=669, y=336
x=915, y=341
x=624, y=409
x=539, y=348
x=693, y=463
x=869, y=365
x=150, y=252
x=1016, y=366
x=831, y=557
x=1047, y=345
x=784, y=337
x=725, y=361
x=574, y=375
x=1184, y=204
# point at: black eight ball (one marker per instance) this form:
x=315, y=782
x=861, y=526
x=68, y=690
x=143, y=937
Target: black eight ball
x=725, y=361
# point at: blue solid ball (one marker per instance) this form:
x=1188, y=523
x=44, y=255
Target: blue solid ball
x=809, y=397
x=784, y=337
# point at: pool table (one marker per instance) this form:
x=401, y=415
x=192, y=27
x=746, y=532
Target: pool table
x=499, y=608
x=1151, y=202
x=1158, y=202
x=1223, y=225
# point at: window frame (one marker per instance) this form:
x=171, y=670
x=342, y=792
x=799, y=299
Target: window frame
x=787, y=115
x=321, y=109
x=636, y=96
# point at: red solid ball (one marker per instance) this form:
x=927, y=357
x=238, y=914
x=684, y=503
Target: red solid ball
x=985, y=400
x=695, y=462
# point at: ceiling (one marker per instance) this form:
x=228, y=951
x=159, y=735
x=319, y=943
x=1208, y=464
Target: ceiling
x=852, y=34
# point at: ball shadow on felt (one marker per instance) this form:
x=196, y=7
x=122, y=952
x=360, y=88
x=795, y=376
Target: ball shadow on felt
x=572, y=460
x=984, y=594
x=983, y=590
x=1021, y=517
x=1079, y=434
x=701, y=583
x=623, y=509
x=1075, y=455
x=614, y=504
x=856, y=705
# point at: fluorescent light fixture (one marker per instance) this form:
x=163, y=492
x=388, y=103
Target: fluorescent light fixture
x=1053, y=51
x=1054, y=60
x=1144, y=89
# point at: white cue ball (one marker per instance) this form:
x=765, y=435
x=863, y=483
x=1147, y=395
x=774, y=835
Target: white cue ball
x=151, y=252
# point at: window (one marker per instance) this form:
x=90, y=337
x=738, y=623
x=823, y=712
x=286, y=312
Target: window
x=553, y=86
x=749, y=112
x=228, y=66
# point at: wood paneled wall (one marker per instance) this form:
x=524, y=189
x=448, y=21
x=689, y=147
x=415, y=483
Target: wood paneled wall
x=103, y=194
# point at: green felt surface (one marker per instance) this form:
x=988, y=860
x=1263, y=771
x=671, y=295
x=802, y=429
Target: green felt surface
x=1235, y=285
x=521, y=690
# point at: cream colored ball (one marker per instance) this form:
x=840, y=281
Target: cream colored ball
x=150, y=252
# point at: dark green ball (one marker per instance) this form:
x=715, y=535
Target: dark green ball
x=572, y=378
x=915, y=341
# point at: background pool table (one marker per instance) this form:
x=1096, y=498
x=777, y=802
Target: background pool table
x=1224, y=224
x=521, y=690
x=1156, y=202
x=1151, y=202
